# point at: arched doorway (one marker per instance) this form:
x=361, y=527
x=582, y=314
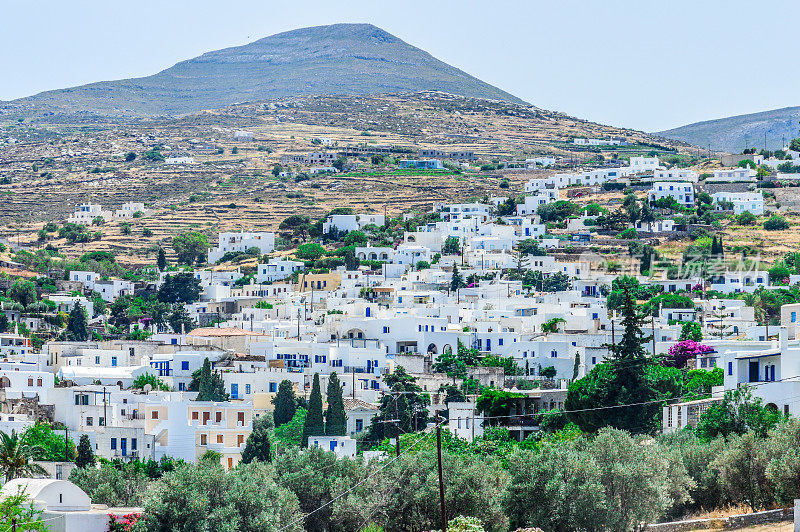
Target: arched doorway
x=432, y=349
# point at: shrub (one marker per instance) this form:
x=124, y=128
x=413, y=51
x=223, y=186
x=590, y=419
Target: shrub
x=776, y=223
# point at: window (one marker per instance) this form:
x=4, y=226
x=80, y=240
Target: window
x=30, y=381
x=113, y=444
x=39, y=381
x=133, y=444
x=730, y=368
x=273, y=387
x=204, y=439
x=794, y=317
x=154, y=414
x=101, y=422
x=195, y=416
x=185, y=365
x=240, y=440
x=218, y=417
x=181, y=386
x=359, y=425
x=499, y=341
x=240, y=417
x=113, y=362
x=89, y=421
x=219, y=438
x=247, y=389
x=97, y=360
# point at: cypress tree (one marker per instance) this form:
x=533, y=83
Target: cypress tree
x=285, y=403
x=211, y=386
x=575, y=366
x=314, y=425
x=335, y=416
x=85, y=456
x=78, y=327
x=258, y=446
x=161, y=262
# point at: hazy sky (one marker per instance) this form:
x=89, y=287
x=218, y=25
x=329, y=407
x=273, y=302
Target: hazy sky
x=641, y=63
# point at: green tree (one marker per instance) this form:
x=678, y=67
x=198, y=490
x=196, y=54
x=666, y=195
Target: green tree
x=350, y=260
x=85, y=456
x=456, y=281
x=314, y=424
x=161, y=261
x=113, y=485
x=566, y=479
x=285, y=403
x=190, y=247
x=356, y=238
x=130, y=157
x=16, y=458
x=296, y=226
x=552, y=325
x=181, y=287
x=47, y=445
x=78, y=326
x=451, y=246
x=206, y=498
x=335, y=415
x=179, y=319
x=310, y=251
x=259, y=445
x=738, y=413
x=211, y=386
x=623, y=380
x=743, y=470
x=691, y=331
x=148, y=378
x=746, y=218
x=290, y=434
x=776, y=223
x=23, y=292
x=408, y=402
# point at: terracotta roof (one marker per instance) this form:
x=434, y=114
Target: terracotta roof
x=358, y=404
x=222, y=331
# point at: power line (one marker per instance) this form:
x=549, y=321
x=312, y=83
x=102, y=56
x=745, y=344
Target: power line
x=357, y=484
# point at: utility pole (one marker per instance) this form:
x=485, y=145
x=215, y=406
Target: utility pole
x=441, y=479
x=105, y=412
x=397, y=422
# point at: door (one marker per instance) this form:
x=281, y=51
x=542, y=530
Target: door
x=124, y=446
x=753, y=377
x=234, y=391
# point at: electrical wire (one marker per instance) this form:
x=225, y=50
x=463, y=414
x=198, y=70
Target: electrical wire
x=360, y=482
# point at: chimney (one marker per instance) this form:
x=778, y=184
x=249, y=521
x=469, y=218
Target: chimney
x=783, y=335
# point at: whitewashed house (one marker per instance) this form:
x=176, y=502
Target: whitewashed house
x=682, y=192
x=752, y=202
x=242, y=241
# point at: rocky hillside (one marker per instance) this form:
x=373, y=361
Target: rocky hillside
x=735, y=133
x=342, y=59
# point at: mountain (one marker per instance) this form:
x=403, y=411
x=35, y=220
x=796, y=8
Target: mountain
x=341, y=59
x=735, y=133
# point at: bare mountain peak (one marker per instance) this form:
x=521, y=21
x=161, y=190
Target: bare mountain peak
x=339, y=59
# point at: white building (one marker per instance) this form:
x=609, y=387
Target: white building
x=352, y=222
x=675, y=174
x=643, y=164
x=752, y=202
x=681, y=192
x=732, y=175
x=129, y=209
x=179, y=159
x=241, y=242
x=277, y=270
x=86, y=212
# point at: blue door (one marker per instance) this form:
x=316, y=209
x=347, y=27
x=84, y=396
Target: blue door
x=488, y=344
x=124, y=446
x=234, y=391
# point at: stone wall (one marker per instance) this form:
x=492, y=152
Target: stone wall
x=733, y=522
